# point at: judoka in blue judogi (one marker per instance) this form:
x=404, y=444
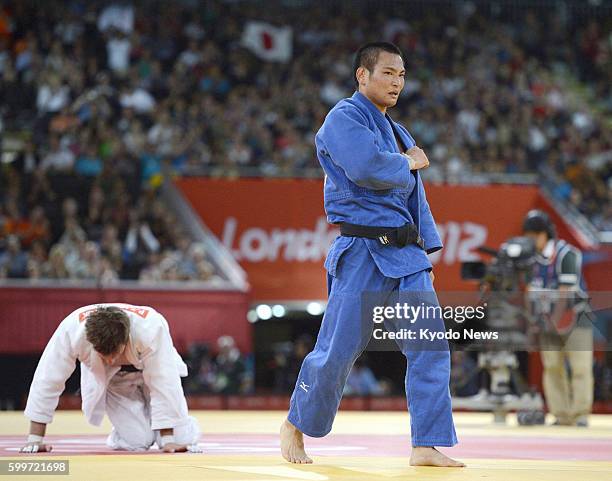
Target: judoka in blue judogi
x=368, y=182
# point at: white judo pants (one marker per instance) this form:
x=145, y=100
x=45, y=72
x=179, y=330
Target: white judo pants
x=128, y=406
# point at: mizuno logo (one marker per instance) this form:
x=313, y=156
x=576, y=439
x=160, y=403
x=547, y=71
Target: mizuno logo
x=304, y=386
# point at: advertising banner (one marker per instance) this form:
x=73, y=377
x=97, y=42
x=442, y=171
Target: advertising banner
x=277, y=229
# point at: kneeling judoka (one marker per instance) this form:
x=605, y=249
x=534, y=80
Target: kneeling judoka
x=129, y=369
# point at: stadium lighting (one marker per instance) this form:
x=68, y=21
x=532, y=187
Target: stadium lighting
x=278, y=310
x=264, y=312
x=314, y=308
x=252, y=316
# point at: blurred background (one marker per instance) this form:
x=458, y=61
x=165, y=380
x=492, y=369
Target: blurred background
x=162, y=153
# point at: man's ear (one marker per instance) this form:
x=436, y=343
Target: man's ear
x=361, y=74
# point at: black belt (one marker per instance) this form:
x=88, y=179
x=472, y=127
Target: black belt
x=397, y=236
x=128, y=368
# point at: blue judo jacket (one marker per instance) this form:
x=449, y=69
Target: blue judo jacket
x=369, y=182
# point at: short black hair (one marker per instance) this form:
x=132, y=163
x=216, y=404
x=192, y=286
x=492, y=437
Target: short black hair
x=367, y=56
x=538, y=221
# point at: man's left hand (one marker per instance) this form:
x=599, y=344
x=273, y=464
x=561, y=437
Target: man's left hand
x=174, y=448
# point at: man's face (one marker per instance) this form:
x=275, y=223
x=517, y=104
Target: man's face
x=540, y=239
x=110, y=359
x=384, y=84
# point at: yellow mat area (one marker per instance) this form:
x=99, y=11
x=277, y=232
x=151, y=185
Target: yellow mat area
x=258, y=468
x=253, y=467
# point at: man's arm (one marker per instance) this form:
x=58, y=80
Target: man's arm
x=570, y=266
x=423, y=218
x=352, y=146
x=569, y=269
x=56, y=364
x=168, y=405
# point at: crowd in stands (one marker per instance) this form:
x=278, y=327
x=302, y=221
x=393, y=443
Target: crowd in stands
x=286, y=360
x=78, y=196
x=68, y=227
x=92, y=231
x=222, y=370
x=130, y=87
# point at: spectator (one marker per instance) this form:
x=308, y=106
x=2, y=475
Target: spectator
x=135, y=139
x=63, y=122
x=203, y=269
x=138, y=99
x=59, y=158
x=88, y=163
x=38, y=253
x=110, y=247
x=16, y=98
x=118, y=49
x=191, y=56
x=464, y=375
x=55, y=267
x=288, y=358
x=139, y=242
x=203, y=378
x=70, y=210
x=13, y=262
x=231, y=369
x=14, y=223
x=37, y=228
x=118, y=16
x=52, y=95
x=73, y=237
x=28, y=159
x=161, y=134
x=362, y=382
x=186, y=264
x=96, y=213
x=41, y=192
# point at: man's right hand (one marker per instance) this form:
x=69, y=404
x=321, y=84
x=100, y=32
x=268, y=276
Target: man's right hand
x=35, y=439
x=419, y=159
x=33, y=448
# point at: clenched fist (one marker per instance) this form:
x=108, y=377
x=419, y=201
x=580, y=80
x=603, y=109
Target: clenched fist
x=419, y=159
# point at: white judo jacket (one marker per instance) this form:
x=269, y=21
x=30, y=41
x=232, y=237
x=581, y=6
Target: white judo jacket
x=150, y=349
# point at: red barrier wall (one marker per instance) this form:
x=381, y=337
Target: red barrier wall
x=29, y=316
x=281, y=403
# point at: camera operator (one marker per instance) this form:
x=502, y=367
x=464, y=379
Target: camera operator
x=566, y=336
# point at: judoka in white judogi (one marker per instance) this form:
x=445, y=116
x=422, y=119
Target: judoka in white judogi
x=138, y=403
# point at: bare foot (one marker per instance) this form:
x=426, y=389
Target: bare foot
x=292, y=444
x=425, y=456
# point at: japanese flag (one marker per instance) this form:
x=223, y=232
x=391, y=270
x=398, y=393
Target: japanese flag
x=267, y=41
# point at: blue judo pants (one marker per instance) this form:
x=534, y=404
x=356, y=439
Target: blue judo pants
x=343, y=336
